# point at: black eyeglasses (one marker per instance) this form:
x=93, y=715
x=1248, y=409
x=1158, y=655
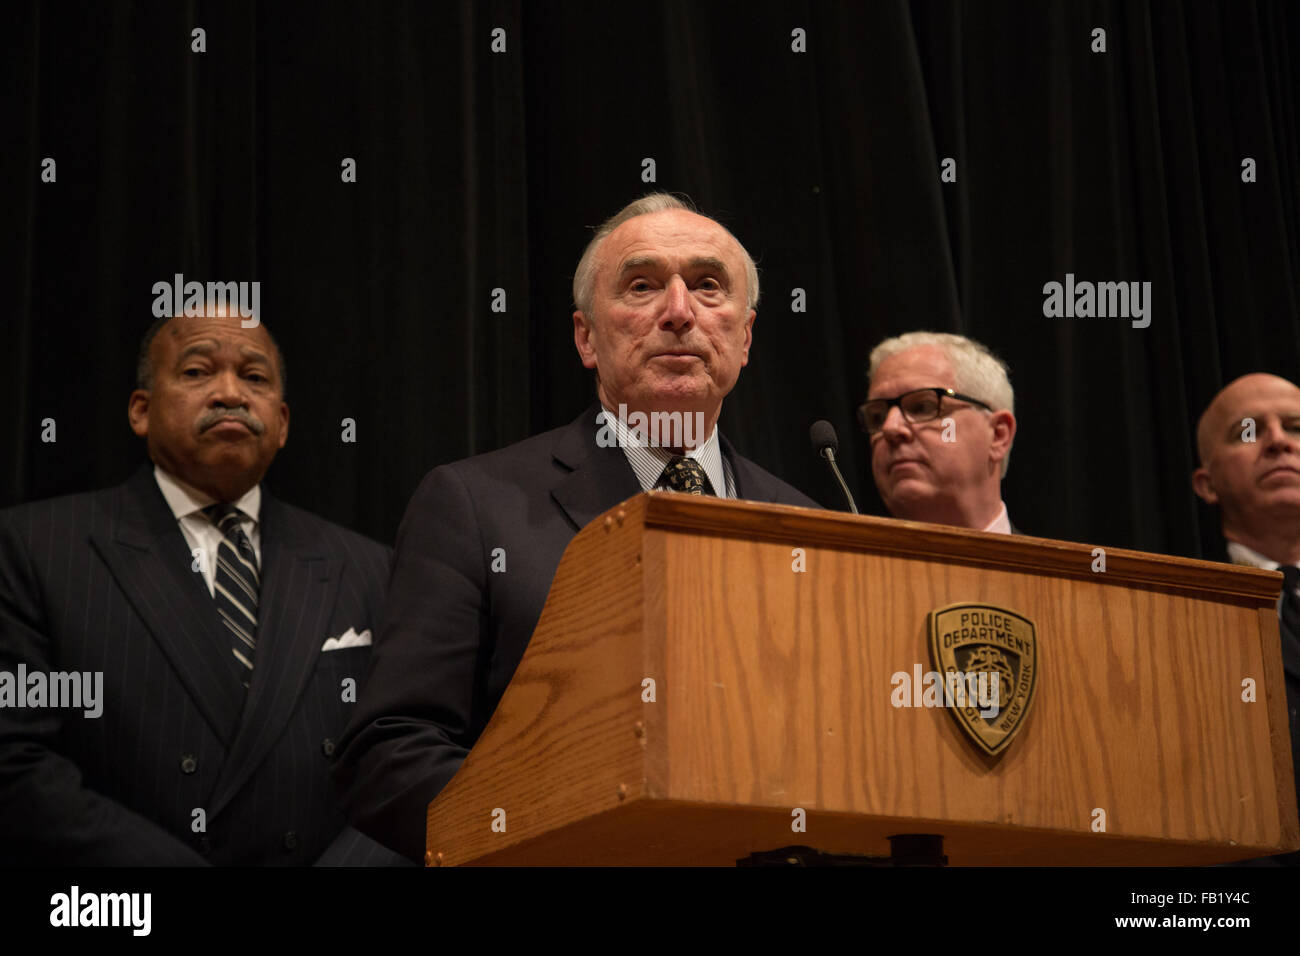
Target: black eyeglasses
x=920, y=405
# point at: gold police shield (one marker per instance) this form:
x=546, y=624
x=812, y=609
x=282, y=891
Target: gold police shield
x=988, y=658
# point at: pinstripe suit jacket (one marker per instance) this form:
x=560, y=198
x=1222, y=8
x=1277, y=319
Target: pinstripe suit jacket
x=102, y=582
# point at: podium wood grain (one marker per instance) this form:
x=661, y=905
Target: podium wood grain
x=773, y=692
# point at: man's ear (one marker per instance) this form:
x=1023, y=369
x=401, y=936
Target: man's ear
x=137, y=412
x=1004, y=433
x=584, y=339
x=284, y=423
x=1203, y=487
x=749, y=338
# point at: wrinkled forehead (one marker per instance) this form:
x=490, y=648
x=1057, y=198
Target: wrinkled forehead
x=923, y=366
x=183, y=332
x=675, y=234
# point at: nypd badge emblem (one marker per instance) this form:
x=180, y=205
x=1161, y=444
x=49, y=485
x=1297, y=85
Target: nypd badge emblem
x=970, y=645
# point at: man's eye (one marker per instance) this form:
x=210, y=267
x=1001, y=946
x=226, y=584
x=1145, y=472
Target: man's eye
x=923, y=406
x=710, y=284
x=255, y=377
x=639, y=285
x=192, y=372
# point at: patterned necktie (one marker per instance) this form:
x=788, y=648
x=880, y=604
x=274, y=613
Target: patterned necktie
x=235, y=585
x=686, y=475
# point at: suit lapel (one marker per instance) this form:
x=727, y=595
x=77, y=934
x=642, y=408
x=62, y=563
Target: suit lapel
x=599, y=478
x=750, y=483
x=299, y=587
x=147, y=555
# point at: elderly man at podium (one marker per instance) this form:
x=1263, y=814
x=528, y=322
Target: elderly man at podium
x=1249, y=444
x=940, y=416
x=665, y=313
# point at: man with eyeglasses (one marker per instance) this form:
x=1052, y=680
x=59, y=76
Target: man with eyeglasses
x=940, y=416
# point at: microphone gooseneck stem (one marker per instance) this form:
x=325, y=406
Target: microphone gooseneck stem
x=830, y=458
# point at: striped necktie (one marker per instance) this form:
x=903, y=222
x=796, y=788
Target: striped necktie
x=686, y=475
x=235, y=586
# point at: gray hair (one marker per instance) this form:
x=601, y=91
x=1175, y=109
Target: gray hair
x=584, y=279
x=975, y=370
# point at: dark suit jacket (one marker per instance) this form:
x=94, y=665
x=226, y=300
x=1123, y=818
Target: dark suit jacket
x=454, y=631
x=103, y=582
x=1291, y=664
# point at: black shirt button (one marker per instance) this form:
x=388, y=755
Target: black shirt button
x=205, y=845
x=327, y=747
x=291, y=841
x=189, y=763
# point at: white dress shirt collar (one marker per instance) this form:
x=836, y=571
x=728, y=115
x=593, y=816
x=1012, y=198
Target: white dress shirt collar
x=1002, y=523
x=1240, y=554
x=185, y=500
x=1249, y=557
x=648, y=461
x=202, y=537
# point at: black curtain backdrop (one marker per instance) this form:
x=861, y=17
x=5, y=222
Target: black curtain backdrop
x=479, y=170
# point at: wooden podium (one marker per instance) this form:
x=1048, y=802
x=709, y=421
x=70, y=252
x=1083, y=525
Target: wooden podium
x=771, y=635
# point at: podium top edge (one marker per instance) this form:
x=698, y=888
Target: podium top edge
x=810, y=526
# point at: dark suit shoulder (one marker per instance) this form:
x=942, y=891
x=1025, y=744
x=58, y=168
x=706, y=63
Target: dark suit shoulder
x=87, y=510
x=516, y=475
x=521, y=459
x=82, y=502
x=755, y=483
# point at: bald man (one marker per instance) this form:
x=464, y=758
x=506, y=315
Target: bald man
x=1249, y=442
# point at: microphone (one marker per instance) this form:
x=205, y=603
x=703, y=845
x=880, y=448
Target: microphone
x=825, y=443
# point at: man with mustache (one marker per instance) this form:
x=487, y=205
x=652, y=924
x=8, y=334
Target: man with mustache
x=665, y=313
x=1249, y=444
x=205, y=607
x=940, y=417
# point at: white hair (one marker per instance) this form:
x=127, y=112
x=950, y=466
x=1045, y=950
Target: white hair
x=584, y=278
x=976, y=371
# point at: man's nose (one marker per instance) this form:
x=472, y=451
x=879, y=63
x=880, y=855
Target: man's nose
x=679, y=311
x=1277, y=438
x=895, y=426
x=228, y=390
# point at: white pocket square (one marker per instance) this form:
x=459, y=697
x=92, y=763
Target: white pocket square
x=349, y=638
